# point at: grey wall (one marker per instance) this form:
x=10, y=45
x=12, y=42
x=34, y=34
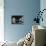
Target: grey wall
x=19, y=7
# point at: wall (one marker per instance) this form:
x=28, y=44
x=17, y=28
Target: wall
x=1, y=20
x=43, y=6
x=19, y=7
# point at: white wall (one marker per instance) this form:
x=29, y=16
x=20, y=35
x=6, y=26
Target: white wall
x=1, y=20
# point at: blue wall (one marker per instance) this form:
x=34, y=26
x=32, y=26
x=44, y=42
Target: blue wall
x=19, y=7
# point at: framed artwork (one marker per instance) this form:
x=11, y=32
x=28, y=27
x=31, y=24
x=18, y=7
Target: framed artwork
x=17, y=19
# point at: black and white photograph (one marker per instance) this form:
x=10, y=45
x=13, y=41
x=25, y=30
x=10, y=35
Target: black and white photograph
x=17, y=19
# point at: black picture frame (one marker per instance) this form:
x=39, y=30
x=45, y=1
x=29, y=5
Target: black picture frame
x=17, y=19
